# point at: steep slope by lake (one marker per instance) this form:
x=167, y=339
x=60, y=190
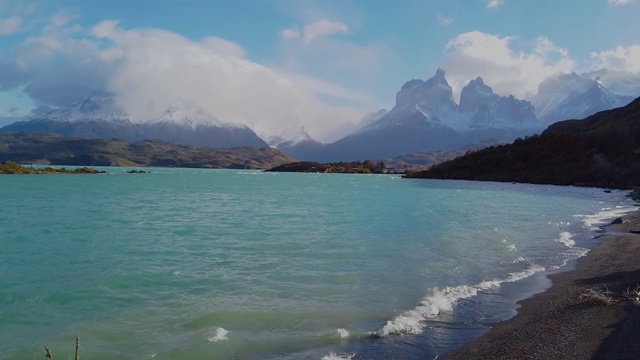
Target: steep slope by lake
x=601, y=150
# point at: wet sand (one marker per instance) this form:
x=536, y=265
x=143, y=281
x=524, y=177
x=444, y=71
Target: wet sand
x=573, y=319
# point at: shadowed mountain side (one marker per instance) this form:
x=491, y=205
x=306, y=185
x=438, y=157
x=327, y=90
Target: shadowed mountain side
x=601, y=150
x=376, y=145
x=52, y=149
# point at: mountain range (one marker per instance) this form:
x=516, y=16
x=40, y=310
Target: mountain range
x=425, y=118
x=99, y=116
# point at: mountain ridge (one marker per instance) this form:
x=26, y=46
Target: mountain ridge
x=99, y=116
x=54, y=149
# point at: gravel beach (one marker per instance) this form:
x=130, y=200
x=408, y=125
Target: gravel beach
x=589, y=313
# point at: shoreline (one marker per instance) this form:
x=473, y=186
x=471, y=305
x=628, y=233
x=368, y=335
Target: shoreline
x=572, y=320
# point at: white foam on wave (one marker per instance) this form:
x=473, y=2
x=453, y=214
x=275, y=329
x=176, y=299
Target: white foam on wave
x=593, y=222
x=439, y=301
x=566, y=238
x=221, y=335
x=334, y=356
x=343, y=333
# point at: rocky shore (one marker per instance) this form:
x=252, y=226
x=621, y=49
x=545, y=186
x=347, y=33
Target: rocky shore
x=590, y=313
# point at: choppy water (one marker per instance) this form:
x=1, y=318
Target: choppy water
x=220, y=264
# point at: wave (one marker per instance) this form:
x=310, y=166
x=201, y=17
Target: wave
x=443, y=300
x=221, y=335
x=566, y=238
x=343, y=333
x=334, y=356
x=593, y=222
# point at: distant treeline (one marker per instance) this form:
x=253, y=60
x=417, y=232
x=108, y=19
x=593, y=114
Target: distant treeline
x=354, y=167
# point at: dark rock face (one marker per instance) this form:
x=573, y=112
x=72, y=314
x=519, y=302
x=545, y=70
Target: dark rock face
x=476, y=95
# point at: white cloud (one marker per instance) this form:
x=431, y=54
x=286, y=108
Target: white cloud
x=152, y=68
x=444, y=21
x=505, y=70
x=314, y=30
x=148, y=69
x=619, y=59
x=290, y=34
x=10, y=26
x=620, y=2
x=493, y=4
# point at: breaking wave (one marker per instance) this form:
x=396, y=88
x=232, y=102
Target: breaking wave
x=593, y=222
x=443, y=300
x=566, y=239
x=221, y=335
x=343, y=333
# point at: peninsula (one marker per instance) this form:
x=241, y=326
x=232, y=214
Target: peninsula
x=10, y=167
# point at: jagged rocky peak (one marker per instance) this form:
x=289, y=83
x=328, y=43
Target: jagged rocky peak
x=475, y=94
x=519, y=112
x=438, y=79
x=436, y=92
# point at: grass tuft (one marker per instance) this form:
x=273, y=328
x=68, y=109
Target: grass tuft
x=593, y=297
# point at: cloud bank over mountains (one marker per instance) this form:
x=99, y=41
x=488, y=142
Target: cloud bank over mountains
x=149, y=68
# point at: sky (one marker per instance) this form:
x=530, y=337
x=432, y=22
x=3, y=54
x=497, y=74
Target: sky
x=276, y=65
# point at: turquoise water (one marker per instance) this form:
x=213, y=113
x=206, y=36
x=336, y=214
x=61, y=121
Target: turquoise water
x=222, y=264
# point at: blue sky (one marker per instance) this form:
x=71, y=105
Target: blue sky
x=279, y=64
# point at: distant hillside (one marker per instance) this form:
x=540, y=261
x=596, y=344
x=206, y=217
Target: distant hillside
x=601, y=150
x=423, y=160
x=52, y=149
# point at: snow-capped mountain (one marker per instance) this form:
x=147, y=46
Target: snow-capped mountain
x=479, y=109
x=426, y=118
x=186, y=123
x=483, y=114
x=187, y=114
x=620, y=83
x=93, y=117
x=103, y=117
x=291, y=138
x=287, y=134
x=572, y=96
x=92, y=108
